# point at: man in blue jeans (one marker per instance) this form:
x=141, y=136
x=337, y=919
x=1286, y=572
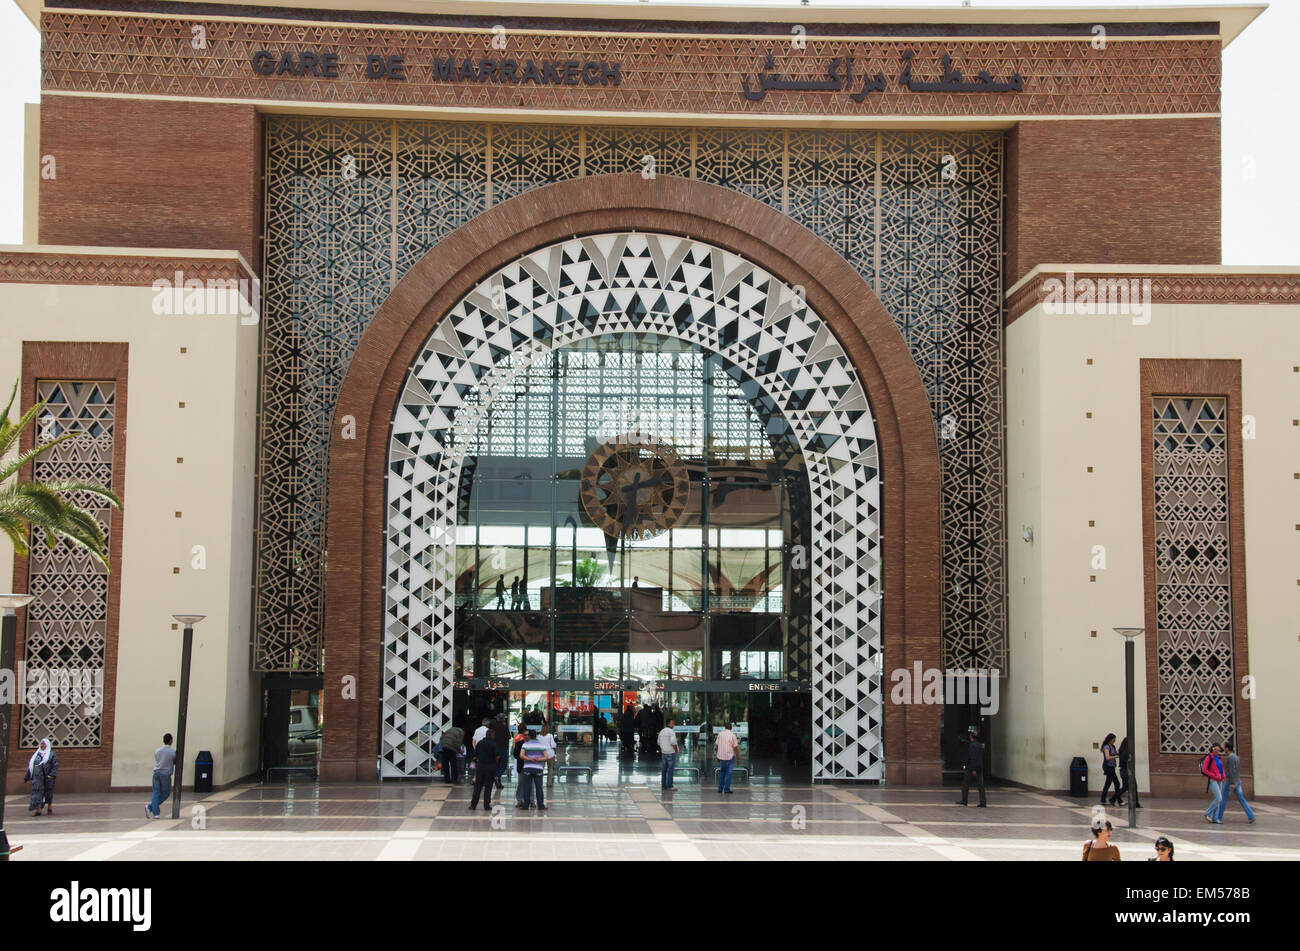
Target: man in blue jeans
x=533, y=754
x=163, y=759
x=1232, y=784
x=667, y=755
x=727, y=747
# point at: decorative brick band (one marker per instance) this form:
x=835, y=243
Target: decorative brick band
x=1189, y=288
x=55, y=267
x=697, y=73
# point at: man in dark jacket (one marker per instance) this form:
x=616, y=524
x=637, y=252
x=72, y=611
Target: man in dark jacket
x=485, y=774
x=451, y=740
x=627, y=730
x=500, y=734
x=974, y=769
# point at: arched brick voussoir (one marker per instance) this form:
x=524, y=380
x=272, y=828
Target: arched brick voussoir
x=354, y=587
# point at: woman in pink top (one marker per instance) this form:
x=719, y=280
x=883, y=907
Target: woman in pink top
x=727, y=747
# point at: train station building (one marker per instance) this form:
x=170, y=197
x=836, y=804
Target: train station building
x=845, y=375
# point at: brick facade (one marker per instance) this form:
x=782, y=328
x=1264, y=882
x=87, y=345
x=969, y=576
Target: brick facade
x=1144, y=191
x=151, y=174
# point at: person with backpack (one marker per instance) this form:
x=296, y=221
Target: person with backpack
x=1128, y=773
x=451, y=741
x=1212, y=769
x=1232, y=784
x=1109, y=762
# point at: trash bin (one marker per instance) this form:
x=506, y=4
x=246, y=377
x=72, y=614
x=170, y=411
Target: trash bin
x=1079, y=777
x=203, y=772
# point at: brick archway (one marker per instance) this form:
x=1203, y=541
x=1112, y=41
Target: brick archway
x=354, y=609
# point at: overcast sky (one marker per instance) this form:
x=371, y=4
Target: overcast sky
x=1261, y=127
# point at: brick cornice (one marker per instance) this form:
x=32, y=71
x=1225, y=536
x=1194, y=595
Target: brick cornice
x=1187, y=287
x=111, y=268
x=691, y=73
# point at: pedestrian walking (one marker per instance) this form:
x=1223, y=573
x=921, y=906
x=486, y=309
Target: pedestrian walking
x=1164, y=850
x=1212, y=769
x=1232, y=781
x=164, y=758
x=1109, y=763
x=1128, y=773
x=453, y=738
x=1100, y=849
x=480, y=732
x=533, y=755
x=727, y=747
x=668, y=750
x=974, y=770
x=500, y=734
x=501, y=593
x=41, y=770
x=485, y=771
x=514, y=594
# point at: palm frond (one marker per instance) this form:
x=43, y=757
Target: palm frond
x=71, y=486
x=13, y=465
x=46, y=509
x=9, y=433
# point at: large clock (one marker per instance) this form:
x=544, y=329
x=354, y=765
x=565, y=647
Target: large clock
x=634, y=487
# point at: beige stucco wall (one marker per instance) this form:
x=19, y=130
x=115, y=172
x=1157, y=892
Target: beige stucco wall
x=1052, y=604
x=213, y=489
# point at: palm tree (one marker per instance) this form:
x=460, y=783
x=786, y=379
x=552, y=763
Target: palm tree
x=45, y=506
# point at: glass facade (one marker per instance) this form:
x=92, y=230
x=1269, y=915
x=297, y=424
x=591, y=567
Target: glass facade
x=548, y=585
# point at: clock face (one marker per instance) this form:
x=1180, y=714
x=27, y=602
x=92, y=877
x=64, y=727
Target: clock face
x=634, y=487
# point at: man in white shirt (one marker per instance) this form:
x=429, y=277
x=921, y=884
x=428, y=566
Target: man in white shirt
x=728, y=745
x=548, y=740
x=668, y=751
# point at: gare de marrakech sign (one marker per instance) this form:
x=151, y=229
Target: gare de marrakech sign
x=839, y=73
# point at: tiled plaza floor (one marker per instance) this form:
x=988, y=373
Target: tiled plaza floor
x=404, y=821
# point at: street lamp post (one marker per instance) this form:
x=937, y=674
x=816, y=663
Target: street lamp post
x=187, y=644
x=1130, y=634
x=10, y=603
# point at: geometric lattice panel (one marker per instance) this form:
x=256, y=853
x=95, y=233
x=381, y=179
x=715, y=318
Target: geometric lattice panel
x=352, y=204
x=1193, y=582
x=764, y=336
x=67, y=623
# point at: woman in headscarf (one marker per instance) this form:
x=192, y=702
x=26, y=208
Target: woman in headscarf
x=41, y=770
